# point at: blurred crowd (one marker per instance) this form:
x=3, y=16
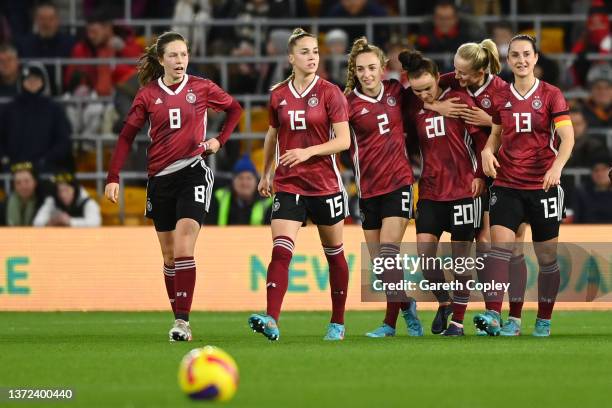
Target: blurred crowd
x=43, y=106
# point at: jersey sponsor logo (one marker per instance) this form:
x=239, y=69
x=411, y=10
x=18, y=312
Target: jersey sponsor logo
x=283, y=102
x=364, y=111
x=312, y=102
x=158, y=101
x=391, y=101
x=190, y=97
x=508, y=105
x=536, y=104
x=486, y=103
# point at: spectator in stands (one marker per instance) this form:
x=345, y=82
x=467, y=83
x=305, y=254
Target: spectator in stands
x=593, y=203
x=447, y=30
x=102, y=41
x=336, y=42
x=598, y=108
x=189, y=19
x=9, y=70
x=243, y=77
x=585, y=146
x=46, y=41
x=69, y=206
x=18, y=14
x=33, y=127
x=394, y=66
x=26, y=198
x=501, y=34
x=596, y=38
x=273, y=73
x=359, y=9
x=240, y=204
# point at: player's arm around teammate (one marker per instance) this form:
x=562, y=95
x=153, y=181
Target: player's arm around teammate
x=180, y=184
x=383, y=173
x=308, y=125
x=525, y=159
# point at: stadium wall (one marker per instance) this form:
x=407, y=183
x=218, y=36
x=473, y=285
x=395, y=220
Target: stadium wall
x=61, y=269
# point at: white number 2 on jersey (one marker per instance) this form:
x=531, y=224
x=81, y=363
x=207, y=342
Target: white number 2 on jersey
x=435, y=126
x=175, y=118
x=383, y=121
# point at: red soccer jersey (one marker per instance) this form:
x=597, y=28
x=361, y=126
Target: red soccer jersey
x=449, y=162
x=483, y=98
x=177, y=118
x=528, y=142
x=304, y=120
x=378, y=147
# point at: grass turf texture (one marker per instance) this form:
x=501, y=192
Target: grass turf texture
x=125, y=360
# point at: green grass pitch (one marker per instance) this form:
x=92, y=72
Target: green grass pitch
x=125, y=360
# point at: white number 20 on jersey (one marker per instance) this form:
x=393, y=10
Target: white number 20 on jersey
x=175, y=118
x=435, y=126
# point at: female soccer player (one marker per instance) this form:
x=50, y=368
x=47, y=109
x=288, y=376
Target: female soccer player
x=449, y=186
x=476, y=66
x=308, y=126
x=382, y=170
x=525, y=159
x=180, y=184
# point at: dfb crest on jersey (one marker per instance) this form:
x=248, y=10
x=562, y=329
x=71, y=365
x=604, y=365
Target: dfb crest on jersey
x=149, y=205
x=486, y=103
x=391, y=101
x=276, y=206
x=312, y=102
x=536, y=104
x=190, y=97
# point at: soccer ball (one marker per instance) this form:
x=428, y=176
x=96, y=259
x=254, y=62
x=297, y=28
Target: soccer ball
x=208, y=373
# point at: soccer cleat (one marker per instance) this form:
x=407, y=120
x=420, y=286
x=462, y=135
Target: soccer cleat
x=265, y=325
x=453, y=330
x=512, y=327
x=383, y=331
x=481, y=333
x=542, y=328
x=181, y=331
x=415, y=329
x=440, y=321
x=335, y=332
x=489, y=321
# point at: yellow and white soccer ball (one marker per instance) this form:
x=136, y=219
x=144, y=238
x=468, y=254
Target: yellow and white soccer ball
x=208, y=373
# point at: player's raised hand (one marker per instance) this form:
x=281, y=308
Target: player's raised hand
x=489, y=163
x=551, y=178
x=476, y=116
x=478, y=187
x=111, y=192
x=265, y=186
x=294, y=157
x=449, y=107
x=211, y=146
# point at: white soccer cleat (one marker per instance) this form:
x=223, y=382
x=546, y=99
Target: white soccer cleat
x=181, y=331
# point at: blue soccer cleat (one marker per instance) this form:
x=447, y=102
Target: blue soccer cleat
x=264, y=324
x=440, y=321
x=453, y=330
x=415, y=329
x=512, y=327
x=489, y=321
x=383, y=331
x=542, y=328
x=335, y=332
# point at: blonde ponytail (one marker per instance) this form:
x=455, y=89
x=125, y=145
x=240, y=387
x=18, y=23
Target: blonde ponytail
x=492, y=55
x=481, y=56
x=361, y=46
x=293, y=38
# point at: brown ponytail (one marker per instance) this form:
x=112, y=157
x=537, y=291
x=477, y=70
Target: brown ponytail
x=149, y=68
x=361, y=46
x=293, y=38
x=416, y=65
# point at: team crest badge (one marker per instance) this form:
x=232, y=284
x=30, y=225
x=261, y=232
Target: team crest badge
x=391, y=101
x=486, y=103
x=536, y=104
x=276, y=206
x=312, y=102
x=190, y=97
x=149, y=205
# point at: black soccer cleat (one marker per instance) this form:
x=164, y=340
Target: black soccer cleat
x=440, y=321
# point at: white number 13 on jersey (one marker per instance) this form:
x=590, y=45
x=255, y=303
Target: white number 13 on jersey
x=175, y=118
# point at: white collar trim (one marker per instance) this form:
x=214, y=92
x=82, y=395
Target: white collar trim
x=306, y=91
x=482, y=88
x=528, y=94
x=447, y=90
x=169, y=91
x=369, y=98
